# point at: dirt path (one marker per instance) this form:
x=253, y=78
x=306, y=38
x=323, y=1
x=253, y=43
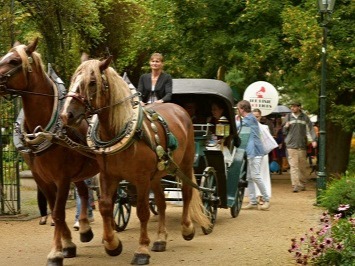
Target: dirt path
x=253, y=238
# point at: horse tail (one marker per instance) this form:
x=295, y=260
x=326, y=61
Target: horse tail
x=196, y=209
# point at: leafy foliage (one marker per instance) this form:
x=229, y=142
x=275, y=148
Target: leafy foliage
x=339, y=191
x=242, y=40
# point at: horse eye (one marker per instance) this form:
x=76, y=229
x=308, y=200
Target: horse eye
x=14, y=61
x=92, y=83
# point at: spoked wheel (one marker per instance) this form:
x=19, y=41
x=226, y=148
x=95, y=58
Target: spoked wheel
x=209, y=196
x=239, y=195
x=235, y=209
x=122, y=210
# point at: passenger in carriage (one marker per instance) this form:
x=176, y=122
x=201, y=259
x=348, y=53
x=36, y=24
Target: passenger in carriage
x=155, y=87
x=217, y=110
x=191, y=109
x=218, y=113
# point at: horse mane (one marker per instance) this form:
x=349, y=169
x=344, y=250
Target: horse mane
x=37, y=60
x=117, y=90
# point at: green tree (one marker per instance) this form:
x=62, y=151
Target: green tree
x=271, y=40
x=304, y=37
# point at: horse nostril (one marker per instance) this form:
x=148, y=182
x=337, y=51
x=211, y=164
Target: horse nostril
x=70, y=115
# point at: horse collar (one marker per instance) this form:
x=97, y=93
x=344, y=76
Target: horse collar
x=29, y=142
x=124, y=139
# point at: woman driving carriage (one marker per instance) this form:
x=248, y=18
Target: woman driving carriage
x=155, y=87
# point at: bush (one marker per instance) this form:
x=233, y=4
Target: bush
x=339, y=191
x=333, y=244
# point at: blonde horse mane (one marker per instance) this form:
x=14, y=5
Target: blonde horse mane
x=26, y=64
x=117, y=90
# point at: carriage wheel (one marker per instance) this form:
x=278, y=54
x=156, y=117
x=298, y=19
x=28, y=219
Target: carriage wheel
x=239, y=195
x=210, y=198
x=235, y=209
x=122, y=210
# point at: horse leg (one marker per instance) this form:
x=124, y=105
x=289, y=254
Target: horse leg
x=192, y=209
x=61, y=230
x=162, y=235
x=112, y=244
x=86, y=234
x=141, y=255
x=187, y=226
x=69, y=248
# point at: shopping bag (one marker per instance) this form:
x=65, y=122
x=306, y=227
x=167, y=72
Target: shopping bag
x=268, y=141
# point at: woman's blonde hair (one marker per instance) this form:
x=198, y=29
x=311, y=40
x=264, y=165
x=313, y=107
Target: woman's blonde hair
x=157, y=55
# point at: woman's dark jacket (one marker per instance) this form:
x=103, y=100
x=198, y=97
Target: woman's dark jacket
x=163, y=87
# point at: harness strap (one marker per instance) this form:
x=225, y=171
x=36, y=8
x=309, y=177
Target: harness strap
x=173, y=169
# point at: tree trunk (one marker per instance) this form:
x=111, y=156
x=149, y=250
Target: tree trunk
x=338, y=144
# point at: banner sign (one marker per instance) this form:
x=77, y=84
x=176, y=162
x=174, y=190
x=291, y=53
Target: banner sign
x=262, y=95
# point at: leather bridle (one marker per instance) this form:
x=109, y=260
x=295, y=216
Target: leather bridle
x=4, y=78
x=89, y=109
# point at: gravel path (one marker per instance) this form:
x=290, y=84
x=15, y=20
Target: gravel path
x=253, y=238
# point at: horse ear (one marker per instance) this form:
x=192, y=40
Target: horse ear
x=84, y=57
x=105, y=63
x=32, y=46
x=17, y=43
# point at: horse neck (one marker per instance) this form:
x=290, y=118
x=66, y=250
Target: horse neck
x=107, y=129
x=38, y=108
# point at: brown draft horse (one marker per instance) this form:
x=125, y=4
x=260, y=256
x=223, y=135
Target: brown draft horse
x=97, y=89
x=54, y=167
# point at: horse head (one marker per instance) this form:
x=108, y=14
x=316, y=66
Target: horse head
x=87, y=91
x=16, y=67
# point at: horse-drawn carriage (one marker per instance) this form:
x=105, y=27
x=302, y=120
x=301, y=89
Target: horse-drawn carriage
x=127, y=143
x=219, y=166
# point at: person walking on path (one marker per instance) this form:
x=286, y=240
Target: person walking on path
x=255, y=152
x=295, y=129
x=88, y=183
x=43, y=207
x=155, y=87
x=265, y=170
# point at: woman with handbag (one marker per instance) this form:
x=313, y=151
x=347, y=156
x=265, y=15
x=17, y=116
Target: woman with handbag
x=255, y=151
x=265, y=171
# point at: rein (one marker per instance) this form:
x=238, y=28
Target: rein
x=5, y=78
x=82, y=100
x=118, y=102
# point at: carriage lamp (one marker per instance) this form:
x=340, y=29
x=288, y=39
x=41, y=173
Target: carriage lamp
x=326, y=9
x=222, y=128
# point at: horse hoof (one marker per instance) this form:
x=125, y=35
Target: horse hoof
x=159, y=246
x=87, y=236
x=190, y=236
x=115, y=252
x=140, y=259
x=69, y=252
x=55, y=262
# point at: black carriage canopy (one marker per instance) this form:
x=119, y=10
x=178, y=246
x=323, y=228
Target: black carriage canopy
x=204, y=92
